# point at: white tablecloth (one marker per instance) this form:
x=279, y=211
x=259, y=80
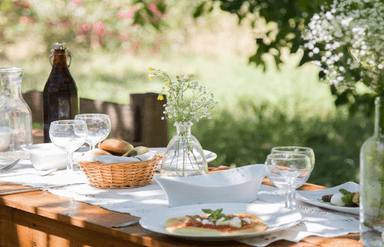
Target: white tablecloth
x=140, y=201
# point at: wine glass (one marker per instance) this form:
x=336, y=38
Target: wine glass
x=99, y=127
x=287, y=171
x=301, y=150
x=68, y=135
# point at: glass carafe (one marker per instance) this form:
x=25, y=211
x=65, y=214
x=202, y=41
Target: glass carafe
x=184, y=155
x=15, y=116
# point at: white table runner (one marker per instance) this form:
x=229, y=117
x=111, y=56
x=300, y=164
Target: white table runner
x=140, y=201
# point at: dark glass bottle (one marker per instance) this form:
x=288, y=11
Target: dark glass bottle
x=60, y=98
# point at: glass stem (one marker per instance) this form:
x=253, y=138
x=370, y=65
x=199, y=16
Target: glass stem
x=70, y=162
x=93, y=146
x=290, y=197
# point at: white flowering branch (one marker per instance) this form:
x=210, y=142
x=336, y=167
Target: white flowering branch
x=346, y=42
x=178, y=107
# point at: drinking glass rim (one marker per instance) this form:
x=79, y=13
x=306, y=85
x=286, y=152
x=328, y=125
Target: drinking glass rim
x=68, y=122
x=93, y=114
x=11, y=69
x=299, y=156
x=289, y=147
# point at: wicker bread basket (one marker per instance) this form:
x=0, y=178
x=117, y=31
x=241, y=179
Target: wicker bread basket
x=120, y=175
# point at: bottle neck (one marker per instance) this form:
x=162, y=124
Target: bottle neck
x=379, y=116
x=60, y=58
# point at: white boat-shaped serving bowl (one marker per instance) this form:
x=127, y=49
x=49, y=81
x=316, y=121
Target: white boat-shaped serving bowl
x=238, y=185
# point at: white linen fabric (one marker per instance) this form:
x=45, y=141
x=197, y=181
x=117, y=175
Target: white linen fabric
x=316, y=221
x=143, y=200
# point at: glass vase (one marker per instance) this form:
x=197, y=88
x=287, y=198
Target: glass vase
x=183, y=156
x=15, y=117
x=372, y=182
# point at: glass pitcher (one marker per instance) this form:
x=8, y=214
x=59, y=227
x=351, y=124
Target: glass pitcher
x=15, y=117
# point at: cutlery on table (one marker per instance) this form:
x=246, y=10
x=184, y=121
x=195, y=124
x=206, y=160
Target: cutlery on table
x=44, y=173
x=6, y=168
x=9, y=192
x=126, y=224
x=37, y=173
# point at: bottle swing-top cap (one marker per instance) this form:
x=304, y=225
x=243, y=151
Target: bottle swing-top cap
x=59, y=46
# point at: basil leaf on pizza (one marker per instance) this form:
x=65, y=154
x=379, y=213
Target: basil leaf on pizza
x=215, y=223
x=215, y=214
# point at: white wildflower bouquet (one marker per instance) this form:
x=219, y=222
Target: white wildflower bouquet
x=346, y=42
x=178, y=106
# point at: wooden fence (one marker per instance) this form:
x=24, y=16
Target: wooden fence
x=138, y=122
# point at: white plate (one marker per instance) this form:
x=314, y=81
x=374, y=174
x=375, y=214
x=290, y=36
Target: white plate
x=210, y=156
x=276, y=216
x=314, y=197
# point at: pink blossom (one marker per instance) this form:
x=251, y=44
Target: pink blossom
x=99, y=27
x=20, y=4
x=85, y=27
x=76, y=3
x=153, y=8
x=135, y=47
x=127, y=13
x=26, y=19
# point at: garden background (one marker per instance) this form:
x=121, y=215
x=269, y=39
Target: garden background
x=114, y=42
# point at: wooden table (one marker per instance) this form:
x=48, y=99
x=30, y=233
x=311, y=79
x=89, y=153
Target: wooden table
x=42, y=219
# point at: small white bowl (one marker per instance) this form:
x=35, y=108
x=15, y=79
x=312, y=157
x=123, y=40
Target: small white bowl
x=47, y=156
x=238, y=185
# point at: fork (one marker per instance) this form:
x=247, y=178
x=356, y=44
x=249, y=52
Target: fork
x=37, y=173
x=8, y=167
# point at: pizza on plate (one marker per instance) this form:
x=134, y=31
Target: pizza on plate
x=216, y=223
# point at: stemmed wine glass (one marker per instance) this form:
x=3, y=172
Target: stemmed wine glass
x=68, y=135
x=287, y=171
x=99, y=127
x=296, y=149
x=300, y=150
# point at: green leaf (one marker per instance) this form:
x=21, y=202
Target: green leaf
x=218, y=211
x=208, y=211
x=215, y=214
x=343, y=191
x=199, y=10
x=348, y=196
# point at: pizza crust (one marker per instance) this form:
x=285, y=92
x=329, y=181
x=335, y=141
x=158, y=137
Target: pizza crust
x=179, y=225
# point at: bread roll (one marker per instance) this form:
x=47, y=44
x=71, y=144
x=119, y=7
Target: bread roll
x=116, y=147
